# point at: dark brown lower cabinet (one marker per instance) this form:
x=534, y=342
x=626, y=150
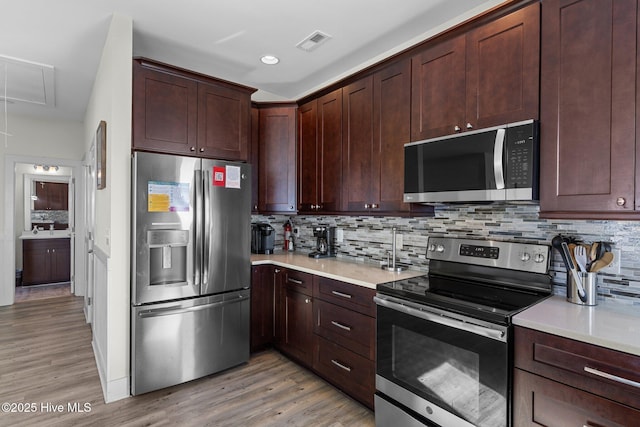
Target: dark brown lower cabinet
x=352, y=373
x=262, y=306
x=564, y=382
x=323, y=324
x=296, y=341
x=46, y=261
x=542, y=402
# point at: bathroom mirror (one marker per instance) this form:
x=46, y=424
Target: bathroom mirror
x=47, y=202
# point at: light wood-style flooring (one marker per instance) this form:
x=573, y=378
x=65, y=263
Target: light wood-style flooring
x=46, y=360
x=33, y=292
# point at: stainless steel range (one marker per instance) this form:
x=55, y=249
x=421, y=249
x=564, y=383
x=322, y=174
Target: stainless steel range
x=444, y=341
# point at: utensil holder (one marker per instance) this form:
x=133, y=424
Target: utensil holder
x=590, y=289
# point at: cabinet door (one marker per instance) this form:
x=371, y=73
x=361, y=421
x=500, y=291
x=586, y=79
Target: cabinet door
x=223, y=122
x=36, y=262
x=438, y=90
x=58, y=195
x=391, y=130
x=262, y=306
x=165, y=111
x=330, y=148
x=279, y=275
x=298, y=327
x=277, y=159
x=308, y=158
x=587, y=115
x=60, y=260
x=503, y=69
x=254, y=158
x=538, y=401
x=357, y=145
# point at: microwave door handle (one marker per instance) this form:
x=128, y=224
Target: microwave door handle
x=197, y=227
x=498, y=148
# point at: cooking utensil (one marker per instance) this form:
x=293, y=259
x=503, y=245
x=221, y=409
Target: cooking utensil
x=572, y=252
x=580, y=254
x=560, y=244
x=602, y=262
x=593, y=251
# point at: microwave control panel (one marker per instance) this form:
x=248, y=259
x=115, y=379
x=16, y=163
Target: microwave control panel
x=521, y=155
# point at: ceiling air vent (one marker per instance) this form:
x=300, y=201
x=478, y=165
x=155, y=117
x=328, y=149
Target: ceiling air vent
x=312, y=41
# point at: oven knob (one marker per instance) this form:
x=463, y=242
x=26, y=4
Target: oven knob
x=539, y=258
x=431, y=247
x=525, y=257
x=439, y=248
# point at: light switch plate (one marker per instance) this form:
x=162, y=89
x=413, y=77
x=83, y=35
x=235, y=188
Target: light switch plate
x=340, y=235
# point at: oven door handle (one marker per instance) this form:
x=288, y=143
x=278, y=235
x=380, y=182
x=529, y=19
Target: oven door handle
x=441, y=319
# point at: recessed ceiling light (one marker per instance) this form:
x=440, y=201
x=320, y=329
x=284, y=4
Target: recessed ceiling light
x=269, y=60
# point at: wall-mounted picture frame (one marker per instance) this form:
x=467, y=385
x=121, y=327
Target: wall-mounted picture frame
x=101, y=155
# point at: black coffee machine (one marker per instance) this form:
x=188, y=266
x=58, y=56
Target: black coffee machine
x=262, y=238
x=325, y=242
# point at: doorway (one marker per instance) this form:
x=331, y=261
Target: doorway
x=20, y=174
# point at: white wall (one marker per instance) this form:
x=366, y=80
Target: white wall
x=56, y=141
x=111, y=101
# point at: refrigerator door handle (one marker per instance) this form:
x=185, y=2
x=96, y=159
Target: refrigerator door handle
x=198, y=212
x=167, y=311
x=206, y=212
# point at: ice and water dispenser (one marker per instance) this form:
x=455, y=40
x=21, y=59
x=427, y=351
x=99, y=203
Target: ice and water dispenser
x=167, y=256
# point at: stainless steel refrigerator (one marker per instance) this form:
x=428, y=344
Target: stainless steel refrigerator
x=190, y=266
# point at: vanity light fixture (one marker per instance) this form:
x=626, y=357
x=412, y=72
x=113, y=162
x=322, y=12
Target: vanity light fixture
x=269, y=59
x=46, y=168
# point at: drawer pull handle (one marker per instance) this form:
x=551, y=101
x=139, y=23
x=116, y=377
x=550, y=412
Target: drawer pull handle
x=612, y=377
x=340, y=365
x=296, y=281
x=340, y=325
x=340, y=294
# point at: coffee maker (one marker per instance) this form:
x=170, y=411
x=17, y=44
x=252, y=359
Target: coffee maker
x=325, y=242
x=262, y=238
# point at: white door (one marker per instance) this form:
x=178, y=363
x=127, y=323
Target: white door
x=90, y=219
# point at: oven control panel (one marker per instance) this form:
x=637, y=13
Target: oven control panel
x=528, y=257
x=490, y=252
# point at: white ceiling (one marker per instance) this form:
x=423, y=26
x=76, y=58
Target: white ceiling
x=224, y=39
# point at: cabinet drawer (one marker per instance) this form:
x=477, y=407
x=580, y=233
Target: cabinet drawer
x=349, y=371
x=344, y=294
x=541, y=402
x=585, y=366
x=351, y=330
x=299, y=281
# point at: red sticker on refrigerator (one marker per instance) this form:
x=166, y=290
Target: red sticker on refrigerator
x=219, y=176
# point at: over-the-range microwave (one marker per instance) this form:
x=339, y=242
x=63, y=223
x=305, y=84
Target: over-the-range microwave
x=493, y=164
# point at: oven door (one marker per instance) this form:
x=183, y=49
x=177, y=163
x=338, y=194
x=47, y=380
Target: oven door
x=448, y=368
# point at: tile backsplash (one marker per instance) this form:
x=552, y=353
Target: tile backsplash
x=368, y=239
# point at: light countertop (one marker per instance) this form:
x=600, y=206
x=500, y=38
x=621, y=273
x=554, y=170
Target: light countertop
x=45, y=234
x=357, y=273
x=607, y=325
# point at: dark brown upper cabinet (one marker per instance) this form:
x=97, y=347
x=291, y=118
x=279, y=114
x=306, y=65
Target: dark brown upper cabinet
x=179, y=112
x=376, y=119
x=51, y=196
x=589, y=153
x=320, y=154
x=486, y=77
x=277, y=164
